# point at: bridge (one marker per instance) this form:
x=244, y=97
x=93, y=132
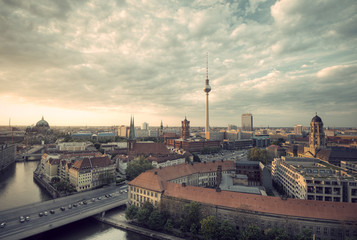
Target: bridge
x=74, y=208
x=34, y=154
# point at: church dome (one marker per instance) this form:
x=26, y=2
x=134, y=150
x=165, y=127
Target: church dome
x=316, y=119
x=42, y=123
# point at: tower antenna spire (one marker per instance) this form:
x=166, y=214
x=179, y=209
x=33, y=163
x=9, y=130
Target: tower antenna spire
x=206, y=65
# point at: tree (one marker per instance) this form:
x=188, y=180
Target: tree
x=252, y=232
x=277, y=234
x=306, y=234
x=136, y=167
x=168, y=225
x=156, y=220
x=227, y=231
x=192, y=214
x=210, y=227
x=144, y=213
x=257, y=154
x=131, y=212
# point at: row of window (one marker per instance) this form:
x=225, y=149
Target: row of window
x=143, y=191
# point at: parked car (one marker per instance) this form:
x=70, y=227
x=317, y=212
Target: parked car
x=70, y=206
x=40, y=214
x=52, y=211
x=27, y=218
x=45, y=213
x=93, y=199
x=3, y=224
x=22, y=219
x=63, y=208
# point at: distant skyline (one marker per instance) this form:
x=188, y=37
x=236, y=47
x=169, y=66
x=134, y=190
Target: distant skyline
x=96, y=63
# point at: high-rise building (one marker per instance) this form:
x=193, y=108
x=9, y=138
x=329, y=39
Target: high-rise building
x=247, y=122
x=207, y=89
x=298, y=129
x=145, y=126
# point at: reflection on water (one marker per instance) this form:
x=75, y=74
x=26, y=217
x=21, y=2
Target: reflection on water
x=88, y=228
x=17, y=186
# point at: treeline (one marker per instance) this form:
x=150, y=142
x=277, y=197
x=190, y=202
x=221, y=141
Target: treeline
x=193, y=225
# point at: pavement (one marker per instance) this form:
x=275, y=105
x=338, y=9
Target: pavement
x=116, y=218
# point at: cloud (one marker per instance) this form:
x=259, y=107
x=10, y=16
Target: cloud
x=285, y=58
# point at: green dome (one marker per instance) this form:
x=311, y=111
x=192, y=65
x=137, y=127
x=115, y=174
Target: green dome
x=42, y=123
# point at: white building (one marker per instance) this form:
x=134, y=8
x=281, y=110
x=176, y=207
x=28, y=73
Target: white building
x=313, y=179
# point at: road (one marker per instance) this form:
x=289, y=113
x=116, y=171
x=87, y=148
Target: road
x=96, y=203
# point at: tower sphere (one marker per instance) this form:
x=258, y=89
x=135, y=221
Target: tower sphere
x=207, y=88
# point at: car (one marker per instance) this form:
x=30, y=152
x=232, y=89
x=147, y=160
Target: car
x=45, y=213
x=75, y=205
x=40, y=214
x=52, y=211
x=125, y=190
x=70, y=206
x=85, y=202
x=110, y=195
x=93, y=199
x=80, y=203
x=99, y=198
x=106, y=195
x=27, y=218
x=63, y=208
x=3, y=224
x=22, y=219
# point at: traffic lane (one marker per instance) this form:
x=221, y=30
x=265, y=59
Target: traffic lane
x=34, y=211
x=60, y=215
x=75, y=197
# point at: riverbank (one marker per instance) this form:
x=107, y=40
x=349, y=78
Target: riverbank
x=116, y=218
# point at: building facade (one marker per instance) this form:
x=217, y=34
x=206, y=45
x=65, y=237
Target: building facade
x=7, y=155
x=247, y=122
x=313, y=179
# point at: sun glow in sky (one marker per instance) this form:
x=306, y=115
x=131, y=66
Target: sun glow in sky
x=99, y=62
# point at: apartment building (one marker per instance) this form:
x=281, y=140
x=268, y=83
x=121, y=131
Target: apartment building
x=313, y=179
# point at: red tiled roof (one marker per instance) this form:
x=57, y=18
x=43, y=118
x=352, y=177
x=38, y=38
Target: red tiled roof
x=89, y=163
x=165, y=174
x=149, y=148
x=149, y=180
x=274, y=205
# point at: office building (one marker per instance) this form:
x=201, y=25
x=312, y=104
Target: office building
x=247, y=122
x=313, y=179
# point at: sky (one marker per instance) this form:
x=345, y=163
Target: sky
x=100, y=62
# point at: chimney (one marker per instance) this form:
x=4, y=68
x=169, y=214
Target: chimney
x=155, y=172
x=183, y=184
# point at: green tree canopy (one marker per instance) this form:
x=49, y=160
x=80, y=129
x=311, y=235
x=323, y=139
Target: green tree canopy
x=210, y=227
x=136, y=167
x=258, y=154
x=305, y=234
x=277, y=234
x=192, y=215
x=252, y=232
x=227, y=231
x=131, y=212
x=144, y=213
x=156, y=220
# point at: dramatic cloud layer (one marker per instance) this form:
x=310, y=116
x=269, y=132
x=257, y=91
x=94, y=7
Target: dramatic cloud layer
x=98, y=62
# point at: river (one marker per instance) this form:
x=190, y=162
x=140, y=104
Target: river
x=17, y=188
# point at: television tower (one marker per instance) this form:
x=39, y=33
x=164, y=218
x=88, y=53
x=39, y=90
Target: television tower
x=207, y=89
